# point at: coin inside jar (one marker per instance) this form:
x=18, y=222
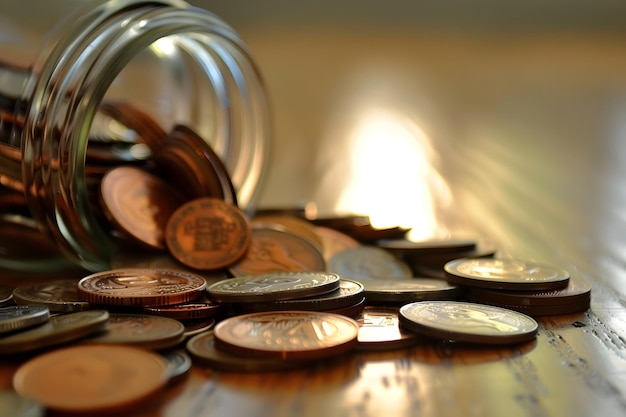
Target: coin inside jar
x=208, y=234
x=138, y=203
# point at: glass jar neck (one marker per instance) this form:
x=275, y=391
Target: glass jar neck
x=69, y=82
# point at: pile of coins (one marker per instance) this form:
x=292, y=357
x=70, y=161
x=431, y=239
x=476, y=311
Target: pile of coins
x=200, y=280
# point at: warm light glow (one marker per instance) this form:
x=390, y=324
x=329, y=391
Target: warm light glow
x=390, y=177
x=163, y=47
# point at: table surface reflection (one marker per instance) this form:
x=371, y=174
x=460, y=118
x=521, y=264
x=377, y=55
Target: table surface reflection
x=518, y=137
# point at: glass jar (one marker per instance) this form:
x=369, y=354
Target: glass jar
x=59, y=61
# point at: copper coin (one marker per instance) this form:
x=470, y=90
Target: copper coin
x=208, y=234
x=505, y=274
x=56, y=331
x=368, y=262
x=468, y=322
x=295, y=225
x=274, y=250
x=91, y=378
x=379, y=329
x=130, y=117
x=334, y=241
x=192, y=163
x=60, y=295
x=141, y=330
x=273, y=286
x=289, y=335
x=202, y=348
x=138, y=203
x=141, y=287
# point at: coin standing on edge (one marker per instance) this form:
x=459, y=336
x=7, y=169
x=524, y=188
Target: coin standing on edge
x=208, y=234
x=92, y=378
x=138, y=203
x=287, y=335
x=505, y=274
x=273, y=250
x=468, y=322
x=274, y=286
x=141, y=287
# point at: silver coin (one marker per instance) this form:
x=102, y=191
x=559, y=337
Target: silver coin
x=6, y=295
x=368, y=262
x=21, y=317
x=58, y=295
x=178, y=363
x=349, y=293
x=56, y=331
x=407, y=290
x=379, y=329
x=468, y=322
x=273, y=286
x=511, y=274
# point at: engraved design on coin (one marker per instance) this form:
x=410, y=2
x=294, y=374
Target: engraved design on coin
x=469, y=321
x=207, y=234
x=288, y=334
x=274, y=286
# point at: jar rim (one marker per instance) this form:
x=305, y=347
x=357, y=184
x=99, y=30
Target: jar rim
x=71, y=83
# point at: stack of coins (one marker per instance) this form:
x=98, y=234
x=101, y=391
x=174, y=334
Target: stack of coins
x=529, y=287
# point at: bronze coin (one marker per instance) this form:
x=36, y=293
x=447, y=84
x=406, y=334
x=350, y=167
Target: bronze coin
x=141, y=287
x=273, y=250
x=194, y=166
x=138, y=203
x=288, y=335
x=188, y=311
x=334, y=241
x=208, y=234
x=295, y=225
x=92, y=378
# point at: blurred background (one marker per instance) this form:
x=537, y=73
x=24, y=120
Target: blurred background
x=502, y=119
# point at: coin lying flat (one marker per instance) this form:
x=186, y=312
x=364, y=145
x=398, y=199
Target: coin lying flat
x=368, y=262
x=21, y=317
x=141, y=287
x=56, y=331
x=273, y=286
x=138, y=203
x=141, y=330
x=6, y=295
x=202, y=349
x=575, y=297
x=273, y=250
x=288, y=335
x=178, y=363
x=409, y=289
x=188, y=311
x=467, y=322
x=379, y=329
x=505, y=274
x=348, y=294
x=91, y=378
x=334, y=241
x=208, y=234
x=57, y=295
